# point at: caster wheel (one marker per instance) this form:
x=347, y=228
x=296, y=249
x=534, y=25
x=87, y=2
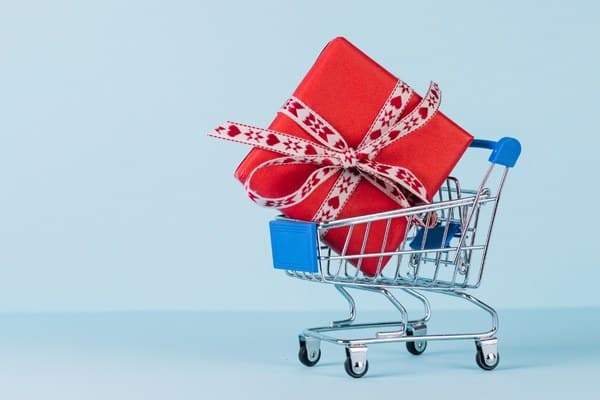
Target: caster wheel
x=306, y=358
x=487, y=362
x=356, y=371
x=417, y=347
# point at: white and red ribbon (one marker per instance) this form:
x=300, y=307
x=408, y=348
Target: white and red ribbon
x=330, y=153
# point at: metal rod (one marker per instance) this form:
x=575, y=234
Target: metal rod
x=476, y=201
x=383, y=245
x=424, y=300
x=399, y=252
x=378, y=340
x=351, y=304
x=489, y=233
x=317, y=332
x=405, y=211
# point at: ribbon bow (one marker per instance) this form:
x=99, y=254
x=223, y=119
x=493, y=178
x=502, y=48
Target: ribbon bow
x=331, y=153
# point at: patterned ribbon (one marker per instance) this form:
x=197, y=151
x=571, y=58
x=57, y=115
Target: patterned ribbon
x=330, y=153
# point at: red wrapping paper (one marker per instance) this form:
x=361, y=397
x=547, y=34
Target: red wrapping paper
x=348, y=89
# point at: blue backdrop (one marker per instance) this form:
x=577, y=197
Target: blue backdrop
x=113, y=198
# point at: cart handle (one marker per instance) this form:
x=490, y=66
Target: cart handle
x=505, y=151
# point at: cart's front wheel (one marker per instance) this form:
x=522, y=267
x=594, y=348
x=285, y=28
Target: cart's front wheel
x=308, y=357
x=355, y=370
x=487, y=361
x=356, y=363
x=487, y=356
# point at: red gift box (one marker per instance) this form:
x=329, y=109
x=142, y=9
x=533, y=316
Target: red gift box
x=348, y=90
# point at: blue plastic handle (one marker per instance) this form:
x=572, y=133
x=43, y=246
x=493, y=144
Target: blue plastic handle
x=505, y=151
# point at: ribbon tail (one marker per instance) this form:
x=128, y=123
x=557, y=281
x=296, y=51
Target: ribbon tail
x=401, y=176
x=391, y=190
x=337, y=197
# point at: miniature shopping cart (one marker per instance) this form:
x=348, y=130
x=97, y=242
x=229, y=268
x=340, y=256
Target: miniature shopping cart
x=446, y=257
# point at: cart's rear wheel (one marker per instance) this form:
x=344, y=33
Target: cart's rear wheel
x=356, y=371
x=308, y=358
x=417, y=347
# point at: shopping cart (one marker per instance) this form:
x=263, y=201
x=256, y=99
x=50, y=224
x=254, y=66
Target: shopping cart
x=446, y=257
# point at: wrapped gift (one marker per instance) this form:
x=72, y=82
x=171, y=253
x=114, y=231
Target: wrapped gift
x=352, y=140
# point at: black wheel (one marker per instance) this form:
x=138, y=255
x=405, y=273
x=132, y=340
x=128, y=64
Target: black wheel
x=417, y=347
x=355, y=372
x=306, y=359
x=492, y=361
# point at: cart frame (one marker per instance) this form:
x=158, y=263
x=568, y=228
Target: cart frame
x=425, y=262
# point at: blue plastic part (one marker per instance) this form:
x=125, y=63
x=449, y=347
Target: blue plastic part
x=505, y=151
x=294, y=245
x=435, y=236
x=483, y=144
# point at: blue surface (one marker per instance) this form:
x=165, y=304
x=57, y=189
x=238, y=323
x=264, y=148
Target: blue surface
x=294, y=245
x=191, y=355
x=113, y=198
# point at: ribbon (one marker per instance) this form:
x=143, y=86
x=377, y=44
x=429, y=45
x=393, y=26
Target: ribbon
x=331, y=154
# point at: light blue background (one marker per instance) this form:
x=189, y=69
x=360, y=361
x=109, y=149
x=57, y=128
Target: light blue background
x=113, y=198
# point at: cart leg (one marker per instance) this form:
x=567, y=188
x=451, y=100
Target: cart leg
x=487, y=356
x=399, y=332
x=356, y=364
x=351, y=304
x=310, y=350
x=424, y=300
x=489, y=309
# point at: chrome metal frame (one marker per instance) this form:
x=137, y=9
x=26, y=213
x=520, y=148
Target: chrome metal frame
x=400, y=335
x=447, y=269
